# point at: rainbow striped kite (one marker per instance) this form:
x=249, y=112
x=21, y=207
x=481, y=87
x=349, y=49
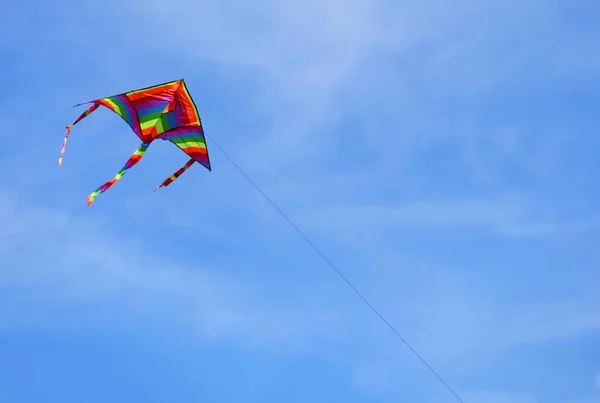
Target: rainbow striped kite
x=165, y=111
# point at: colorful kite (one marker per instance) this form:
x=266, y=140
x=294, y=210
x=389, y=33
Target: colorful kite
x=165, y=111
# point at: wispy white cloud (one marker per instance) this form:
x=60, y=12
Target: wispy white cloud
x=63, y=259
x=310, y=56
x=507, y=218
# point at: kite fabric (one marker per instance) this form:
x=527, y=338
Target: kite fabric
x=165, y=111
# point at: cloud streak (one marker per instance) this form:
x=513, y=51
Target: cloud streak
x=76, y=260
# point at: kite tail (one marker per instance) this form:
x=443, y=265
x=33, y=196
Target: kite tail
x=83, y=115
x=134, y=159
x=176, y=175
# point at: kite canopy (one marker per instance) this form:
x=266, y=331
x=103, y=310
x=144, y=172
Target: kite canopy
x=165, y=111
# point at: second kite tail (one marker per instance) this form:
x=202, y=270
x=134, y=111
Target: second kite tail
x=134, y=159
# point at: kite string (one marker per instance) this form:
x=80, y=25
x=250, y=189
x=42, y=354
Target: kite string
x=83, y=115
x=339, y=273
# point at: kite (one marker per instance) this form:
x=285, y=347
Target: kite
x=164, y=111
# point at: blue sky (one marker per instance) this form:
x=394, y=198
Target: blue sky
x=443, y=156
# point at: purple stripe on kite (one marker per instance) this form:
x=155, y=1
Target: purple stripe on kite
x=153, y=109
x=178, y=120
x=151, y=103
x=130, y=114
x=203, y=160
